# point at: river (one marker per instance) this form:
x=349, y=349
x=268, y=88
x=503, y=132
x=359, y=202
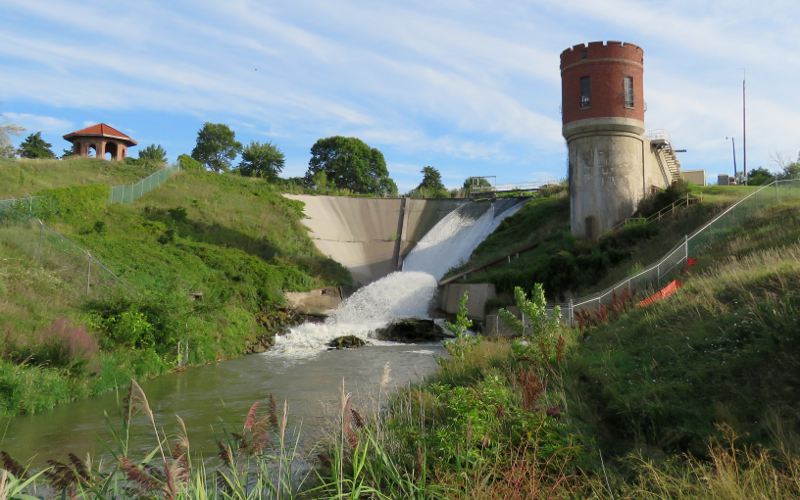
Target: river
x=299, y=370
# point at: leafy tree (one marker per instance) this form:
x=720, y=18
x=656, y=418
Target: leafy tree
x=67, y=153
x=216, y=146
x=431, y=185
x=262, y=159
x=759, y=176
x=35, y=147
x=349, y=163
x=791, y=170
x=6, y=131
x=153, y=153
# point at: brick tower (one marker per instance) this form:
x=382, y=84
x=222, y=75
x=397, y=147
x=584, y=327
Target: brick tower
x=611, y=164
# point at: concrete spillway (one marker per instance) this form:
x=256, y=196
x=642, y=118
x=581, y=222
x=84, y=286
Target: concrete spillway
x=371, y=236
x=401, y=294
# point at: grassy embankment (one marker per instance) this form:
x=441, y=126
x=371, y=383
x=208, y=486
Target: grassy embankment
x=234, y=242
x=22, y=177
x=570, y=267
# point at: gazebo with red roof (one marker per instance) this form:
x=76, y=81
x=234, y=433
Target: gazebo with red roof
x=103, y=139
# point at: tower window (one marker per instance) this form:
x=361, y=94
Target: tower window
x=628, y=83
x=586, y=92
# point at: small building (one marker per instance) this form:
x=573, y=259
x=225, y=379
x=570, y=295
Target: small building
x=697, y=177
x=102, y=139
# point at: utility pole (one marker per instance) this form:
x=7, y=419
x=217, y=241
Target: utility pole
x=744, y=128
x=733, y=149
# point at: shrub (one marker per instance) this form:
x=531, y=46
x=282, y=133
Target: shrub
x=63, y=344
x=652, y=204
x=186, y=162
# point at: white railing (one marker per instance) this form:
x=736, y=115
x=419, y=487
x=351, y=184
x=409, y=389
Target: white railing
x=669, y=266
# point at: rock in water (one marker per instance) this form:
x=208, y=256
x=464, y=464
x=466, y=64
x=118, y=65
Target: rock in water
x=412, y=330
x=346, y=342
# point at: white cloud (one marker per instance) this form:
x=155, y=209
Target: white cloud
x=465, y=83
x=37, y=123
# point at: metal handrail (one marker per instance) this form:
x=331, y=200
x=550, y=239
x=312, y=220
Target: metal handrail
x=657, y=266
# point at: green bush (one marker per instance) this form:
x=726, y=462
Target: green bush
x=186, y=162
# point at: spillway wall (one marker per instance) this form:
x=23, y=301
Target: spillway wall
x=370, y=236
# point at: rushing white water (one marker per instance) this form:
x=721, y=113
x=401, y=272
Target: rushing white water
x=403, y=294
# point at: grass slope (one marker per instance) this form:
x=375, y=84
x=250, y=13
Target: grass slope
x=571, y=267
x=236, y=242
x=21, y=177
x=724, y=349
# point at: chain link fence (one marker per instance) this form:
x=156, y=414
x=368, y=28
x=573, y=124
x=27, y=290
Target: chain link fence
x=19, y=208
x=670, y=266
x=78, y=271
x=128, y=193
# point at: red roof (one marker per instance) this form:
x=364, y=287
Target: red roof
x=100, y=130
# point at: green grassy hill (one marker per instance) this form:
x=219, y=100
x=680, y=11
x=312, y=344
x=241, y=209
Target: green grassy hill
x=208, y=257
x=23, y=177
x=725, y=349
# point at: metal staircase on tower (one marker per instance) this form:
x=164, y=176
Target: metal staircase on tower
x=661, y=143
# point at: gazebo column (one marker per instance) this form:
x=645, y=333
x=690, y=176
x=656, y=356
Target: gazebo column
x=121, y=151
x=100, y=150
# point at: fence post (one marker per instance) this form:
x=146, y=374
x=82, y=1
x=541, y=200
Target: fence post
x=39, y=241
x=571, y=308
x=88, y=271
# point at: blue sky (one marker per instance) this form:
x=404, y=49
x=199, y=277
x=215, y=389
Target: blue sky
x=471, y=87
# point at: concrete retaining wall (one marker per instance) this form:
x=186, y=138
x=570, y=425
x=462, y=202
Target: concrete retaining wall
x=478, y=295
x=370, y=236
x=316, y=302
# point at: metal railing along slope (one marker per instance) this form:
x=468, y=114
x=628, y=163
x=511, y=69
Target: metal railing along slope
x=669, y=266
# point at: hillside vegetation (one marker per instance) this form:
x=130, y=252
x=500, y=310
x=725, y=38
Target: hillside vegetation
x=206, y=258
x=23, y=177
x=570, y=267
x=724, y=350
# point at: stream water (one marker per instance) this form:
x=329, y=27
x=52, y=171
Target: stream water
x=299, y=369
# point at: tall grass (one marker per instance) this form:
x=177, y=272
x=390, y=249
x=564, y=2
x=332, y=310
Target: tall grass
x=23, y=177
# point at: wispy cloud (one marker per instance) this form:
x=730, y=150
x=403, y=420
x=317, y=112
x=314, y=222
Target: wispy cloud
x=472, y=87
x=36, y=123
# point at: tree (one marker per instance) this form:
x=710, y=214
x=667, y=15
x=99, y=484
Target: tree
x=216, y=146
x=153, y=153
x=759, y=176
x=431, y=185
x=35, y=147
x=262, y=159
x=473, y=182
x=791, y=170
x=6, y=147
x=349, y=163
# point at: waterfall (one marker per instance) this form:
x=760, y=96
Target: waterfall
x=407, y=293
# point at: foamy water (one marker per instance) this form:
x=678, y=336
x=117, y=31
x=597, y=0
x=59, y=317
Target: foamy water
x=403, y=294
